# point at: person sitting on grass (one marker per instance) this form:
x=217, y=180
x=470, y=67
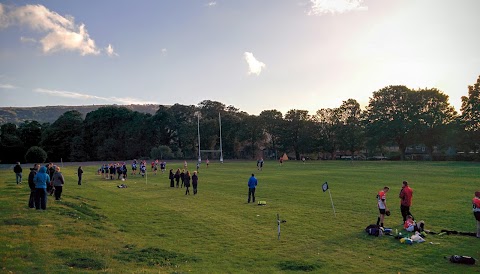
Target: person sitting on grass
x=411, y=226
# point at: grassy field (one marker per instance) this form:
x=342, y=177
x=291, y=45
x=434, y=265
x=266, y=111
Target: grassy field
x=152, y=228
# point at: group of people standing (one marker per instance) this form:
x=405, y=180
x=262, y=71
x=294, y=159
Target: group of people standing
x=406, y=195
x=184, y=177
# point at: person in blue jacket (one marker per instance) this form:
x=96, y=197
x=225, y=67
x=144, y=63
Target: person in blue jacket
x=41, y=180
x=252, y=184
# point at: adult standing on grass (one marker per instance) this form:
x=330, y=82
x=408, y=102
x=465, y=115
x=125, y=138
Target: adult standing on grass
x=182, y=177
x=58, y=182
x=41, y=180
x=18, y=172
x=171, y=176
x=252, y=185
x=194, y=182
x=79, y=173
x=476, y=210
x=186, y=180
x=177, y=176
x=382, y=205
x=405, y=200
x=31, y=184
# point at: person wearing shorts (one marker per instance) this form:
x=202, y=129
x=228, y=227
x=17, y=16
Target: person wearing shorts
x=382, y=205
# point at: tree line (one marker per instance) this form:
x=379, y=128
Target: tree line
x=396, y=116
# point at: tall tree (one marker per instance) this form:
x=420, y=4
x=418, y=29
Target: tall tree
x=328, y=121
x=470, y=117
x=12, y=148
x=30, y=132
x=433, y=118
x=296, y=122
x=391, y=117
x=272, y=121
x=58, y=137
x=351, y=133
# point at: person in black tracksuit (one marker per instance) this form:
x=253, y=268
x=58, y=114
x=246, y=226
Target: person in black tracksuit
x=79, y=173
x=171, y=177
x=186, y=180
x=31, y=184
x=194, y=182
x=177, y=177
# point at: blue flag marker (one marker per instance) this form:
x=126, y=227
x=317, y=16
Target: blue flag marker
x=325, y=187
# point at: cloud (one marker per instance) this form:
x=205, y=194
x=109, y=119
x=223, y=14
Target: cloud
x=81, y=96
x=254, y=66
x=7, y=86
x=110, y=51
x=59, y=32
x=164, y=51
x=211, y=4
x=27, y=40
x=320, y=7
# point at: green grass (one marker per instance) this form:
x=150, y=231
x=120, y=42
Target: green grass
x=152, y=228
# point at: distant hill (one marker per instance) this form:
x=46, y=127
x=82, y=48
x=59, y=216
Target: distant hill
x=50, y=114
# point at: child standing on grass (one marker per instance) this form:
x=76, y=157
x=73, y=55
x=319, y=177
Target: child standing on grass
x=79, y=173
x=382, y=205
x=187, y=182
x=194, y=182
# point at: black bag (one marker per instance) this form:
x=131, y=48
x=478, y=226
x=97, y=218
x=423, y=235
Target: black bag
x=374, y=230
x=462, y=259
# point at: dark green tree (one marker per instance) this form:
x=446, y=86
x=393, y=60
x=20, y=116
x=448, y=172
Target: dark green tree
x=328, y=121
x=470, y=117
x=272, y=124
x=296, y=123
x=12, y=148
x=391, y=115
x=351, y=133
x=30, y=132
x=35, y=154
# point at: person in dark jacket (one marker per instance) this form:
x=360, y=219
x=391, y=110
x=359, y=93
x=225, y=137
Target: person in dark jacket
x=182, y=178
x=31, y=184
x=186, y=180
x=177, y=176
x=41, y=180
x=171, y=176
x=194, y=182
x=18, y=172
x=79, y=173
x=58, y=182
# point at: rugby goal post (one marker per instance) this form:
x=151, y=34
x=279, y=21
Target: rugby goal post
x=209, y=150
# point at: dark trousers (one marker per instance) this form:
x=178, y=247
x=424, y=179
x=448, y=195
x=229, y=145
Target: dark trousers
x=79, y=180
x=194, y=188
x=405, y=212
x=187, y=191
x=58, y=192
x=172, y=184
x=41, y=198
x=177, y=180
x=251, y=193
x=31, y=201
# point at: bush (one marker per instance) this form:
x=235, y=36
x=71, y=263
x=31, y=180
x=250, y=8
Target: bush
x=36, y=155
x=161, y=152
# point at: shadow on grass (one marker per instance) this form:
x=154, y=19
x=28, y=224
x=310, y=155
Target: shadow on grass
x=153, y=256
x=22, y=222
x=77, y=259
x=297, y=266
x=80, y=210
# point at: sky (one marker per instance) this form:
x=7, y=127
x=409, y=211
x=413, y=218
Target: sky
x=253, y=55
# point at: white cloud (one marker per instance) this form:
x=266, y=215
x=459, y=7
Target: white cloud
x=164, y=51
x=211, y=4
x=7, y=86
x=254, y=66
x=60, y=32
x=81, y=96
x=27, y=40
x=110, y=51
x=320, y=7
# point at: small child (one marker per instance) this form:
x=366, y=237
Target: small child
x=410, y=225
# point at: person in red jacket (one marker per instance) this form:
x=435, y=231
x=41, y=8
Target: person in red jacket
x=476, y=210
x=405, y=200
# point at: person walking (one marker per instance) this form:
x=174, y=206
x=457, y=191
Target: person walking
x=79, y=173
x=405, y=200
x=31, y=184
x=58, y=182
x=252, y=185
x=18, y=172
x=194, y=182
x=171, y=176
x=476, y=210
x=177, y=176
x=382, y=205
x=41, y=180
x=186, y=181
